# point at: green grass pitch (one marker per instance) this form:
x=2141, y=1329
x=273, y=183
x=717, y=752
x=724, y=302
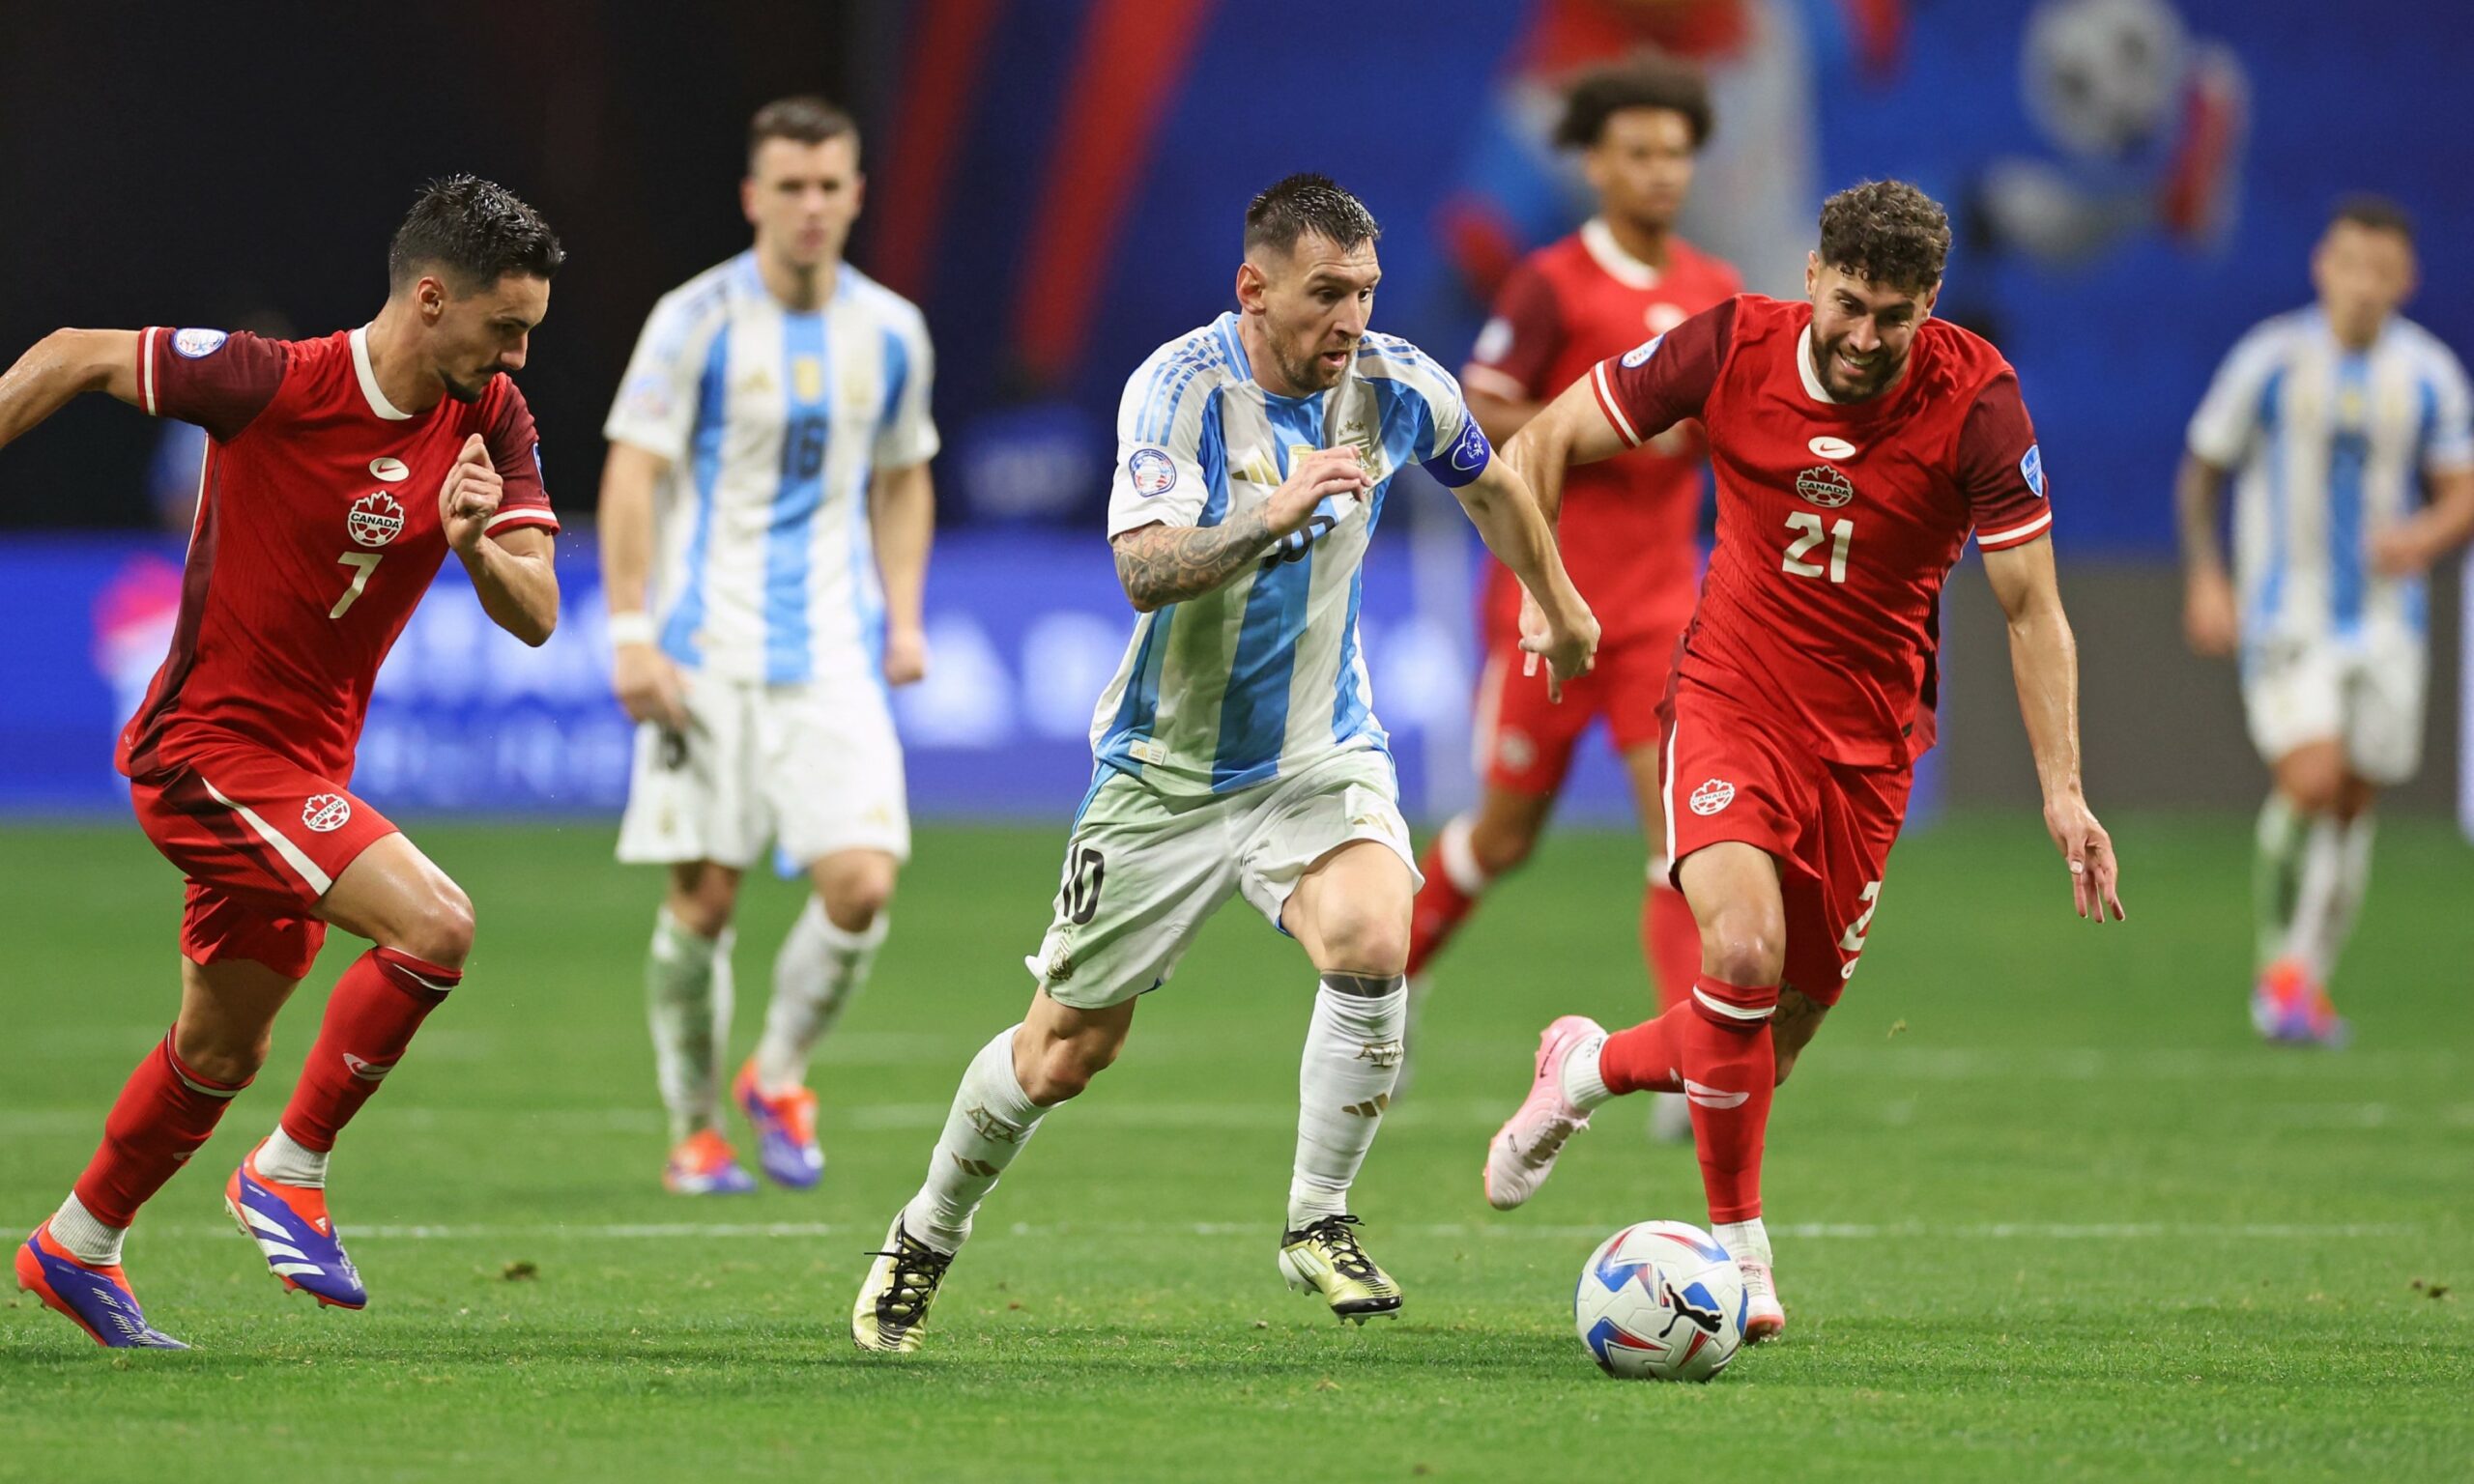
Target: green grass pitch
x=2043, y=1208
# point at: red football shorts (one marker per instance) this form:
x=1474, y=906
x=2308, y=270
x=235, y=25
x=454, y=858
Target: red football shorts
x=1525, y=741
x=261, y=840
x=1732, y=774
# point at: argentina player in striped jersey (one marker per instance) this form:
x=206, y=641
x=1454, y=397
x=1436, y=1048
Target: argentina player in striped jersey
x=1237, y=748
x=2348, y=428
x=777, y=408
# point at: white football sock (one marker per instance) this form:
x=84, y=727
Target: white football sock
x=280, y=1158
x=687, y=997
x=992, y=1118
x=1746, y=1241
x=1459, y=859
x=2275, y=874
x=1344, y=1082
x=820, y=970
x=84, y=1237
x=1584, y=1088
x=2336, y=874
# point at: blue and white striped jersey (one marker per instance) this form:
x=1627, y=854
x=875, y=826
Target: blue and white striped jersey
x=2331, y=446
x=773, y=422
x=1261, y=677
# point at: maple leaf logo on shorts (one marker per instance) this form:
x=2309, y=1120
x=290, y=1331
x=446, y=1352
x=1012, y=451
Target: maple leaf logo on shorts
x=1712, y=796
x=326, y=811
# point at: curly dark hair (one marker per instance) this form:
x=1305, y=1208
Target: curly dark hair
x=476, y=231
x=1306, y=202
x=1648, y=79
x=1887, y=231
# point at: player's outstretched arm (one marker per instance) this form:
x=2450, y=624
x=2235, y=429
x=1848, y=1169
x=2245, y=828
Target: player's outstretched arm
x=1506, y=516
x=1571, y=429
x=511, y=573
x=58, y=368
x=902, y=521
x=2044, y=661
x=2210, y=619
x=1162, y=564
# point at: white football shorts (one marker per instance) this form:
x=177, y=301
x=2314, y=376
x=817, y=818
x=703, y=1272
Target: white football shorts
x=816, y=765
x=2367, y=692
x=1143, y=872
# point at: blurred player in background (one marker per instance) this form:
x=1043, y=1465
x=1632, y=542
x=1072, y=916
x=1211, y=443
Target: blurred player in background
x=1857, y=442
x=2339, y=418
x=339, y=475
x=778, y=407
x=1238, y=752
x=1630, y=528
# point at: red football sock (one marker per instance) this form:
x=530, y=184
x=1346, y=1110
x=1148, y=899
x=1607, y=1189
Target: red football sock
x=163, y=1113
x=1671, y=942
x=1441, y=904
x=1730, y=1074
x=370, y=1018
x=1645, y=1059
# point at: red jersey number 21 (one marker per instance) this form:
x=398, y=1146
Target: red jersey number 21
x=362, y=563
x=1810, y=533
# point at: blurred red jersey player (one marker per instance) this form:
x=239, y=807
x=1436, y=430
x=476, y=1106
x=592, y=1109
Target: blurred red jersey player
x=1627, y=529
x=339, y=475
x=1857, y=442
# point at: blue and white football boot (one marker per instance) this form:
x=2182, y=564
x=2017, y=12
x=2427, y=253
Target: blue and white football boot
x=290, y=1225
x=95, y=1300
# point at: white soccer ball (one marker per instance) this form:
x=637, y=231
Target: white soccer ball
x=1660, y=1302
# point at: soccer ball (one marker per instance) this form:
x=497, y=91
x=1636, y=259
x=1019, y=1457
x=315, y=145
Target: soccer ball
x=1660, y=1302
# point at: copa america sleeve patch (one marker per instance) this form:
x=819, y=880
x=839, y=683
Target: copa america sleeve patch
x=1637, y=354
x=2031, y=468
x=1151, y=471
x=1467, y=457
x=197, y=343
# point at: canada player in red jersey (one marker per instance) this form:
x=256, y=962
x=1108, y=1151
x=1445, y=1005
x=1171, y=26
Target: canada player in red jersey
x=1627, y=529
x=1858, y=441
x=339, y=473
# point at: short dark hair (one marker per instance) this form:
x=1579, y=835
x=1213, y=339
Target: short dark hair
x=1887, y=231
x=1306, y=202
x=476, y=231
x=803, y=119
x=1648, y=79
x=2375, y=213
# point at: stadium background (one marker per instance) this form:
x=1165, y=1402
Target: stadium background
x=2048, y=1208
x=1057, y=182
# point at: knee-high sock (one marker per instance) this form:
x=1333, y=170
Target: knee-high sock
x=165, y=1112
x=370, y=1018
x=1670, y=938
x=688, y=999
x=2276, y=874
x=820, y=970
x=1715, y=1049
x=1455, y=881
x=1344, y=1084
x=2336, y=870
x=992, y=1118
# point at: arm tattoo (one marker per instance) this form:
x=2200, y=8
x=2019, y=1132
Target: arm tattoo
x=1164, y=564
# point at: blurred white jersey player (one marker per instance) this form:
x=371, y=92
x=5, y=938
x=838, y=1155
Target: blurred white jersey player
x=1237, y=751
x=2347, y=429
x=773, y=430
